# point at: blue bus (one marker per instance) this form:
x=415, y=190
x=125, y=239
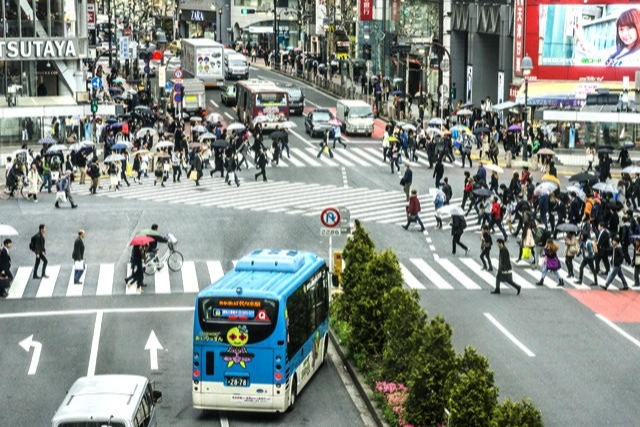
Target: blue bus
x=260, y=332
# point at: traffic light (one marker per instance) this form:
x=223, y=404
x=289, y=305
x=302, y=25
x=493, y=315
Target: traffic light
x=94, y=105
x=452, y=92
x=248, y=11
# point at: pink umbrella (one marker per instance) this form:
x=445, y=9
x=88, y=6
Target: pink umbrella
x=335, y=122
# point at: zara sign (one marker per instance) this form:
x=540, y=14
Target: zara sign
x=201, y=15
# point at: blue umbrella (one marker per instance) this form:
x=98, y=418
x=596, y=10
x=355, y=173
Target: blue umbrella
x=119, y=146
x=115, y=125
x=47, y=140
x=397, y=92
x=111, y=120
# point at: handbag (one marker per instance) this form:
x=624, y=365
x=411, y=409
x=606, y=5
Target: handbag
x=193, y=175
x=78, y=265
x=526, y=252
x=529, y=241
x=61, y=196
x=553, y=263
x=402, y=181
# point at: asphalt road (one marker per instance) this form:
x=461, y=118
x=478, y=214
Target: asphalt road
x=571, y=350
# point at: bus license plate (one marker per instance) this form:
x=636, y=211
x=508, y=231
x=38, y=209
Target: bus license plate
x=237, y=381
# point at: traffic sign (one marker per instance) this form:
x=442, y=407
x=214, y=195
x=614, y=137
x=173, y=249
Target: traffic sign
x=329, y=232
x=96, y=83
x=330, y=217
x=178, y=88
x=177, y=97
x=177, y=74
x=168, y=86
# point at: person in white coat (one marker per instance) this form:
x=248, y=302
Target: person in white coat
x=34, y=180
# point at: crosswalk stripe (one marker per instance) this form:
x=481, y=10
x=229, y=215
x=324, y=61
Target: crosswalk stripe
x=430, y=274
x=352, y=156
x=20, y=281
x=328, y=161
x=338, y=157
x=517, y=278
x=273, y=193
x=311, y=161
x=163, y=283
x=105, y=279
x=215, y=271
x=372, y=157
x=456, y=273
x=75, y=290
x=410, y=279
x=189, y=277
x=48, y=284
x=294, y=160
x=483, y=274
x=131, y=289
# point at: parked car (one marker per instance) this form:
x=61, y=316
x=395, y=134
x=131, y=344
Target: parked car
x=228, y=94
x=317, y=122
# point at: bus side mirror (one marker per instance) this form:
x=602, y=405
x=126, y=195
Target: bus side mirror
x=157, y=396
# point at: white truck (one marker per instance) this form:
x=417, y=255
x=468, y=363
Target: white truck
x=193, y=96
x=203, y=59
x=356, y=116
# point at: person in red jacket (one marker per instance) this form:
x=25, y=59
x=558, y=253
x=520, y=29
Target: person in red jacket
x=413, y=211
x=496, y=217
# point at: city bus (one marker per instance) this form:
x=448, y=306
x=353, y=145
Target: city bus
x=260, y=332
x=261, y=102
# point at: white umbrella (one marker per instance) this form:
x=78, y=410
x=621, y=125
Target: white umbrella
x=577, y=191
x=7, y=230
x=631, y=169
x=434, y=131
x=451, y=210
x=76, y=146
x=207, y=135
x=199, y=129
x=56, y=148
x=87, y=142
x=142, y=132
x=603, y=187
x=493, y=168
x=196, y=119
x=408, y=126
x=436, y=121
x=235, y=126
x=164, y=144
x=214, y=118
x=260, y=119
x=287, y=124
x=464, y=112
x=114, y=158
x=545, y=188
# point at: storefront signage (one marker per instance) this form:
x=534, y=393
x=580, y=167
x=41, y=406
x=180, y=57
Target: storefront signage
x=366, y=10
x=91, y=16
x=19, y=49
x=199, y=15
x=518, y=36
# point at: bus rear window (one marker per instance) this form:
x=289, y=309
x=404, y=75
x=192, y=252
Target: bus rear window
x=271, y=99
x=218, y=316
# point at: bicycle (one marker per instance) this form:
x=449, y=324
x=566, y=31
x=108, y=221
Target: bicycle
x=20, y=189
x=172, y=257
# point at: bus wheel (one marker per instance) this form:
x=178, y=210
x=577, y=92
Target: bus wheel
x=294, y=394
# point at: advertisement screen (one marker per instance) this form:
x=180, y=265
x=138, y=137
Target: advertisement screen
x=589, y=35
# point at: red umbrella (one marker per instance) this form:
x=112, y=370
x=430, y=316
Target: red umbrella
x=141, y=240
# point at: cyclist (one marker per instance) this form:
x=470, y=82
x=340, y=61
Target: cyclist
x=152, y=251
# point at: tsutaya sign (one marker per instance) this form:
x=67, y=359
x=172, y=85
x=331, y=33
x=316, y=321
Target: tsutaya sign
x=54, y=48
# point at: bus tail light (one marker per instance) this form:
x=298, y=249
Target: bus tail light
x=196, y=373
x=278, y=376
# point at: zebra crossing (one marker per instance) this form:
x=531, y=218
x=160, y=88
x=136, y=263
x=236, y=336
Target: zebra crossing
x=432, y=273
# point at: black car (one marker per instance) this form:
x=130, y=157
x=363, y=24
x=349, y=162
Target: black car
x=317, y=122
x=296, y=98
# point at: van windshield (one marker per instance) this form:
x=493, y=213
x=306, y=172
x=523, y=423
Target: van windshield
x=238, y=63
x=92, y=424
x=360, y=112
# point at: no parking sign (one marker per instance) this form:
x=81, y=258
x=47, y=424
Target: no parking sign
x=335, y=221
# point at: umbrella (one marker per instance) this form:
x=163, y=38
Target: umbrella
x=277, y=134
x=199, y=129
x=87, y=142
x=631, y=169
x=195, y=145
x=235, y=126
x=482, y=129
x=287, y=124
x=393, y=139
x=568, y=227
x=514, y=128
x=149, y=232
x=398, y=80
x=47, y=140
x=220, y=143
x=141, y=152
x=436, y=121
x=626, y=146
x=56, y=148
x=214, y=118
x=196, y=119
x=142, y=132
x=115, y=125
x=408, y=126
x=461, y=128
x=161, y=155
x=432, y=131
x=464, y=112
x=260, y=119
x=7, y=230
x=115, y=89
x=545, y=188
x=164, y=144
x=583, y=176
x=451, y=210
x=605, y=150
x=335, y=122
x=546, y=151
x=603, y=187
x=77, y=146
x=141, y=240
x=143, y=109
x=117, y=80
x=521, y=164
x=185, y=115
x=578, y=192
x=482, y=192
x=439, y=193
x=397, y=92
x=114, y=158
x=493, y=168
x=615, y=204
x=550, y=178
x=206, y=136
x=120, y=146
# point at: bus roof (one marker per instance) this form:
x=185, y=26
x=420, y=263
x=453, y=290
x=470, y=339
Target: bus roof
x=100, y=397
x=259, y=85
x=268, y=273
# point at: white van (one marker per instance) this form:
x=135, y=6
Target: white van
x=235, y=66
x=356, y=117
x=113, y=400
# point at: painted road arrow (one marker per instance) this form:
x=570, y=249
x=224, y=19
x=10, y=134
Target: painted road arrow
x=27, y=343
x=153, y=345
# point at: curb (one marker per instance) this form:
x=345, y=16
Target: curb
x=365, y=393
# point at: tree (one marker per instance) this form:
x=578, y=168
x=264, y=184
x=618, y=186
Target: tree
x=517, y=414
x=428, y=394
x=473, y=396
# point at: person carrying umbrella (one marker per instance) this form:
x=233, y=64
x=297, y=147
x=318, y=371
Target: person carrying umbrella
x=137, y=269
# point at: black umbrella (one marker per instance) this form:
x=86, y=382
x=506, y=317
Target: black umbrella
x=397, y=92
x=278, y=134
x=583, y=176
x=615, y=204
x=482, y=192
x=482, y=129
x=568, y=227
x=220, y=143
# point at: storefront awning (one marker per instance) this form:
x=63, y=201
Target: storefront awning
x=505, y=105
x=260, y=30
x=562, y=93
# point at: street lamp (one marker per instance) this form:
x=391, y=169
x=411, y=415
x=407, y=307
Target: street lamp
x=526, y=66
x=220, y=25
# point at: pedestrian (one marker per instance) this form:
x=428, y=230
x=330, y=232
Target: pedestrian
x=467, y=189
x=37, y=245
x=496, y=217
x=485, y=247
x=413, y=211
x=447, y=190
x=94, y=173
x=636, y=263
x=458, y=225
x=551, y=263
x=406, y=180
x=64, y=186
x=587, y=250
x=6, y=276
x=337, y=137
x=504, y=269
x=604, y=251
x=395, y=157
x=196, y=170
x=78, y=257
x=438, y=171
x=617, y=258
x=176, y=161
x=261, y=161
x=465, y=150
x=438, y=202
x=158, y=172
x=571, y=250
x=46, y=174
x=34, y=180
x=590, y=152
x=324, y=146
x=137, y=269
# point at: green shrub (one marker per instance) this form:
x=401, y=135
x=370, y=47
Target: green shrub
x=517, y=414
x=357, y=252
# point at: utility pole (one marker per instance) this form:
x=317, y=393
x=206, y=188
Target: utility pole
x=110, y=33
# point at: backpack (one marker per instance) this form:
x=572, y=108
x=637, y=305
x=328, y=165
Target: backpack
x=32, y=243
x=538, y=236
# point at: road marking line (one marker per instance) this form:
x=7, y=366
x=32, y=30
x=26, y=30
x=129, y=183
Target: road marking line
x=410, y=279
x=327, y=161
x=456, y=273
x=483, y=274
x=345, y=180
x=20, y=282
x=94, y=311
x=224, y=421
x=189, y=277
x=311, y=161
x=430, y=273
x=509, y=335
x=105, y=279
x=301, y=138
x=95, y=344
x=293, y=158
x=45, y=290
x=215, y=271
x=131, y=289
x=163, y=284
x=228, y=115
x=75, y=290
x=619, y=330
x=215, y=104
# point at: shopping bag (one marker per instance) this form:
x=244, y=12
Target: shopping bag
x=526, y=253
x=61, y=196
x=78, y=265
x=193, y=176
x=325, y=150
x=129, y=170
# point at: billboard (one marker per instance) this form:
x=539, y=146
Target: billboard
x=577, y=40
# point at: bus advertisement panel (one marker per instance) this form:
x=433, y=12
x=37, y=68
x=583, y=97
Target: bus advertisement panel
x=260, y=332
x=578, y=41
